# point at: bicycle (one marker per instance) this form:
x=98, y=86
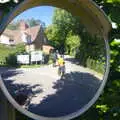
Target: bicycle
x=61, y=71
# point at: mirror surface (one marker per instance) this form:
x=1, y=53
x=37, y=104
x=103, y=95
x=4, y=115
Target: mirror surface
x=49, y=63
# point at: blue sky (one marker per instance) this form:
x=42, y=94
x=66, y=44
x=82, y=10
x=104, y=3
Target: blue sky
x=43, y=13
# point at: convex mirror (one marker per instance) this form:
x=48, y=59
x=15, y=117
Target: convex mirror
x=53, y=66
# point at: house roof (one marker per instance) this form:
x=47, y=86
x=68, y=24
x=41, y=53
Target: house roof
x=23, y=25
x=8, y=34
x=16, y=34
x=33, y=31
x=13, y=34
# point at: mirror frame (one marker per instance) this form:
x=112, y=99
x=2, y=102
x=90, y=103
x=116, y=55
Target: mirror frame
x=95, y=21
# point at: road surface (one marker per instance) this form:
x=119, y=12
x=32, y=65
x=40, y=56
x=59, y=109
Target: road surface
x=42, y=91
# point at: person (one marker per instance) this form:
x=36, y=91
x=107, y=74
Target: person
x=61, y=64
x=54, y=59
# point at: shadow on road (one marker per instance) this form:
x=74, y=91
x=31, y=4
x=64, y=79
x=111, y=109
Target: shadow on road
x=72, y=94
x=22, y=93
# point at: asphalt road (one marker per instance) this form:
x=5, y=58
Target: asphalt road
x=42, y=91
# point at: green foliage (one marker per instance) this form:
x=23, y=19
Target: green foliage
x=112, y=1
x=114, y=14
x=102, y=108
x=108, y=105
x=68, y=34
x=72, y=43
x=63, y=23
x=46, y=58
x=11, y=60
x=12, y=26
x=91, y=47
x=32, y=22
x=30, y=66
x=64, y=20
x=20, y=48
x=8, y=54
x=53, y=35
x=4, y=52
x=95, y=65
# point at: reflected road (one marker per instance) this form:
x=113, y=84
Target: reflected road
x=42, y=91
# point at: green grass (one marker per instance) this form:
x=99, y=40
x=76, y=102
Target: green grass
x=30, y=66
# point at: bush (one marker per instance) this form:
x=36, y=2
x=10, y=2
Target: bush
x=46, y=58
x=8, y=54
x=11, y=60
x=95, y=65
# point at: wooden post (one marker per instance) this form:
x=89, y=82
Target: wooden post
x=7, y=112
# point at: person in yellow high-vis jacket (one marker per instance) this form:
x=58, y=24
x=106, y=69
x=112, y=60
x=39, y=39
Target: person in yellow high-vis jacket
x=61, y=64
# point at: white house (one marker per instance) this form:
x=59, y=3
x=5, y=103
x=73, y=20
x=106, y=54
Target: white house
x=33, y=37
x=4, y=39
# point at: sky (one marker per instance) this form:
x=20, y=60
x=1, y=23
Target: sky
x=43, y=13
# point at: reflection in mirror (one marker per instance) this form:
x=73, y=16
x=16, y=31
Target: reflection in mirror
x=49, y=63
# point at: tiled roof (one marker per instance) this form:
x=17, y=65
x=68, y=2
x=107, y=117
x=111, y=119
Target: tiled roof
x=16, y=34
x=13, y=34
x=33, y=31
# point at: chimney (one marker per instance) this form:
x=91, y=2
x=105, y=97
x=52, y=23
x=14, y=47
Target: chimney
x=23, y=25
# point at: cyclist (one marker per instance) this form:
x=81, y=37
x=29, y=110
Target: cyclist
x=61, y=64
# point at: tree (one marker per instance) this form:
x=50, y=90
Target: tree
x=63, y=22
x=53, y=35
x=13, y=25
x=72, y=43
x=32, y=22
x=108, y=105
